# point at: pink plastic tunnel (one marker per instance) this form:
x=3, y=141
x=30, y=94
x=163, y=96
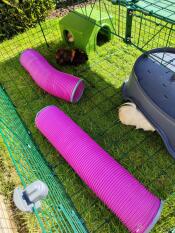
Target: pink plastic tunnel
x=56, y=83
x=135, y=206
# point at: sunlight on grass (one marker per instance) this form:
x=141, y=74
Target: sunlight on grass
x=142, y=153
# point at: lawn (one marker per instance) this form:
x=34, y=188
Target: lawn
x=142, y=153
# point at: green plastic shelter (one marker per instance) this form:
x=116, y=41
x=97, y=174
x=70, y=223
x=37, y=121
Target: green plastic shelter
x=89, y=27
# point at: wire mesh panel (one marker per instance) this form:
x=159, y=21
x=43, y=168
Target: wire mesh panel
x=142, y=153
x=116, y=13
x=160, y=9
x=145, y=24
x=58, y=213
x=149, y=32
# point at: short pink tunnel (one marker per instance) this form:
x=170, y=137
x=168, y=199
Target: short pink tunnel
x=128, y=199
x=51, y=80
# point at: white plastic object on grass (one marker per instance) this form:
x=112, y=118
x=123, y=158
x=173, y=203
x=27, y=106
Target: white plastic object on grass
x=25, y=200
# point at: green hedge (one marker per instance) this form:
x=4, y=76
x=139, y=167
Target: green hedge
x=18, y=15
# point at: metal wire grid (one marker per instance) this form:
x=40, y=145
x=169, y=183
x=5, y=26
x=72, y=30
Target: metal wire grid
x=116, y=13
x=149, y=32
x=100, y=121
x=141, y=153
x=138, y=26
x=159, y=8
x=58, y=213
x=25, y=106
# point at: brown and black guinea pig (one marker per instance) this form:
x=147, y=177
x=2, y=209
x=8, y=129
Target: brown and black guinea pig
x=75, y=57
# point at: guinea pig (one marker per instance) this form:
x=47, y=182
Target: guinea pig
x=65, y=56
x=129, y=114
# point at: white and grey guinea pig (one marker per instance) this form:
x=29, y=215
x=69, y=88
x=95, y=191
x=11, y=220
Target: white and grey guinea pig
x=130, y=115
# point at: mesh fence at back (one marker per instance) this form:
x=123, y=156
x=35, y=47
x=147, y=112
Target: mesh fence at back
x=142, y=153
x=144, y=24
x=58, y=213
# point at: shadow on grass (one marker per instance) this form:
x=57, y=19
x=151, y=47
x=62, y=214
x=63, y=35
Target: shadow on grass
x=142, y=153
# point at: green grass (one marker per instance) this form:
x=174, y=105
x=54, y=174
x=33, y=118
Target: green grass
x=142, y=153
x=9, y=180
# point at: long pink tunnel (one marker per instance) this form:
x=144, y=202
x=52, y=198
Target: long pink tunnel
x=53, y=81
x=135, y=206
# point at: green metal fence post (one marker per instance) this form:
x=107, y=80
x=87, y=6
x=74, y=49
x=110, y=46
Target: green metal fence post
x=129, y=16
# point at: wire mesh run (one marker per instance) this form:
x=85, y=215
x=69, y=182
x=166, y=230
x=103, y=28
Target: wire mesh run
x=58, y=213
x=142, y=153
x=160, y=9
x=144, y=24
